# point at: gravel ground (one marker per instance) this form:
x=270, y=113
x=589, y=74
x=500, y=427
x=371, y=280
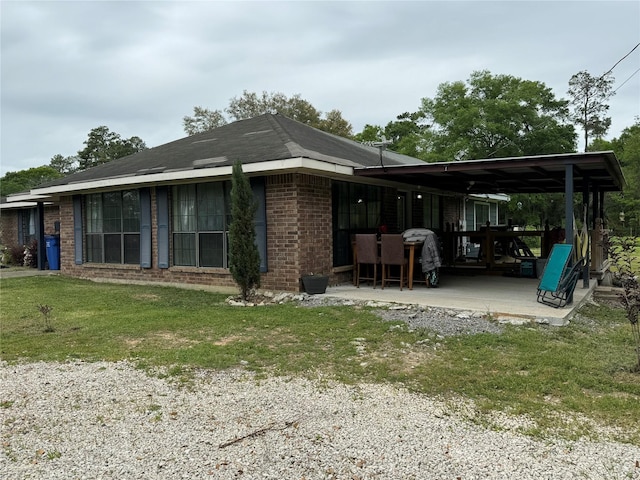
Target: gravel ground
x=112, y=421
x=444, y=322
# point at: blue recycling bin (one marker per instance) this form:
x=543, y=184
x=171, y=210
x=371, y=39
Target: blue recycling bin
x=52, y=244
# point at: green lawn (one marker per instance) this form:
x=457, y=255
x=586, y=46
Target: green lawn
x=565, y=378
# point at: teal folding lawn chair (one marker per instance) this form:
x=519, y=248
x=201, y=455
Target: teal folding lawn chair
x=559, y=278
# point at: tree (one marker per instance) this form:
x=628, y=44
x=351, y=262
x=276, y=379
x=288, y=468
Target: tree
x=334, y=123
x=244, y=257
x=64, y=165
x=251, y=104
x=627, y=150
x=499, y=116
x=203, y=120
x=370, y=133
x=102, y=146
x=25, y=180
x=405, y=134
x=495, y=116
x=588, y=96
x=536, y=209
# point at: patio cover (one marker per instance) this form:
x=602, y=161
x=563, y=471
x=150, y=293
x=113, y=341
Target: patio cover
x=590, y=173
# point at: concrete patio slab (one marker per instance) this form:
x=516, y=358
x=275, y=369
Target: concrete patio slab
x=501, y=297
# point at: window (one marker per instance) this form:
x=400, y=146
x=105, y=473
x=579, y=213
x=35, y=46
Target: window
x=27, y=232
x=113, y=227
x=357, y=208
x=200, y=224
x=482, y=215
x=431, y=210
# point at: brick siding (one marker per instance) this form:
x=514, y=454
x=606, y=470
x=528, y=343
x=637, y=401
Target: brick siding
x=9, y=224
x=9, y=228
x=299, y=240
x=451, y=211
x=299, y=229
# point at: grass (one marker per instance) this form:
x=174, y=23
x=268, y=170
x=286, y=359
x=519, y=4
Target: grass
x=567, y=379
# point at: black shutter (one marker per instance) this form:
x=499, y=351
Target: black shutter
x=77, y=228
x=21, y=215
x=162, y=203
x=145, y=228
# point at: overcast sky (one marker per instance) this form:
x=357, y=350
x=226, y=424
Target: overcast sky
x=140, y=67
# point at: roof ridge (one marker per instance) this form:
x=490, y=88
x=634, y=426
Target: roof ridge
x=282, y=132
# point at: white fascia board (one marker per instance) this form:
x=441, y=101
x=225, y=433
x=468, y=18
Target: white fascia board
x=17, y=205
x=273, y=166
x=26, y=197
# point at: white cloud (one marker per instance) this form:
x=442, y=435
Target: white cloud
x=139, y=67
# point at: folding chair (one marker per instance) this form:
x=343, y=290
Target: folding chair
x=559, y=278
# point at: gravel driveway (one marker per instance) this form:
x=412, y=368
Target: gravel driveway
x=112, y=421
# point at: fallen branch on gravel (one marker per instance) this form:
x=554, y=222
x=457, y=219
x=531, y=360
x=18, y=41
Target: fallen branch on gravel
x=261, y=431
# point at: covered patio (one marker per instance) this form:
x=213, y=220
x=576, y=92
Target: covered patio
x=589, y=174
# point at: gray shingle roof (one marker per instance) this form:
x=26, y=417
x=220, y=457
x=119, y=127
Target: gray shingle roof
x=259, y=139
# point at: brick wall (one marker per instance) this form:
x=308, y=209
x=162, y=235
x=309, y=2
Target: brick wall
x=299, y=240
x=299, y=229
x=9, y=223
x=51, y=216
x=9, y=227
x=451, y=211
x=66, y=236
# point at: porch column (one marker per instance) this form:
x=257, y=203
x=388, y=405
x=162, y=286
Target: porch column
x=587, y=260
x=40, y=235
x=568, y=209
x=601, y=206
x=594, y=207
x=568, y=203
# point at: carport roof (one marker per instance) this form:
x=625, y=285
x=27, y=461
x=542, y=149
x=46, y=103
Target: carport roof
x=534, y=174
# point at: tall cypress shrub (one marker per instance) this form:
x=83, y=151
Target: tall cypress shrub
x=244, y=257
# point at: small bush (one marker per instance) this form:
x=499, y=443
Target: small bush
x=624, y=257
x=45, y=310
x=15, y=255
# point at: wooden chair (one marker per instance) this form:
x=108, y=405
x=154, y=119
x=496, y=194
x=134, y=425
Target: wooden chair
x=366, y=254
x=392, y=254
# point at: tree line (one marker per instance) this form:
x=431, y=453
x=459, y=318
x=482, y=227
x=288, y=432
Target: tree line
x=486, y=116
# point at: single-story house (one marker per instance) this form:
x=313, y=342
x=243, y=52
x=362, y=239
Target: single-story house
x=162, y=215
